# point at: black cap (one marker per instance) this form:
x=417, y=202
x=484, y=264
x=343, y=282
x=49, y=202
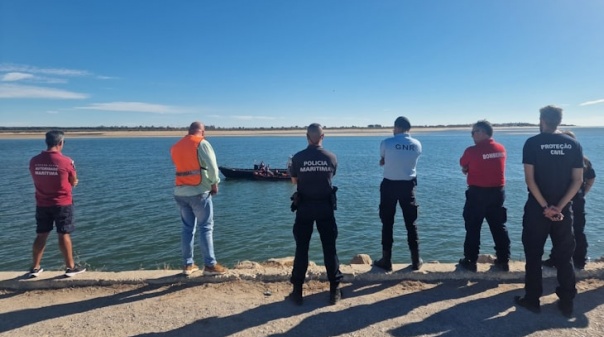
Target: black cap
x=402, y=123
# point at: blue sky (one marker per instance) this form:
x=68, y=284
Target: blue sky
x=273, y=63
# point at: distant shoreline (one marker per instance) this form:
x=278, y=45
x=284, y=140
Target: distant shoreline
x=234, y=133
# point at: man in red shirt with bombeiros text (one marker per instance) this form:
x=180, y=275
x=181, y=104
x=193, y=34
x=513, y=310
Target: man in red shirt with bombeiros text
x=54, y=176
x=484, y=165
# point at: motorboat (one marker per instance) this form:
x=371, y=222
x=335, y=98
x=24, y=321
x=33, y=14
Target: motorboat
x=258, y=172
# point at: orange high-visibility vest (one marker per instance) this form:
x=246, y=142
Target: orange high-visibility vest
x=184, y=157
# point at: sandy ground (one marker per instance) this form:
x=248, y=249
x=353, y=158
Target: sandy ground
x=134, y=134
x=437, y=301
x=248, y=308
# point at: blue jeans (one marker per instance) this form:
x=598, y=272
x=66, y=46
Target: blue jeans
x=197, y=210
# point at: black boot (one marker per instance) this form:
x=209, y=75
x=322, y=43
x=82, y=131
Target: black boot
x=335, y=293
x=385, y=262
x=416, y=261
x=296, y=294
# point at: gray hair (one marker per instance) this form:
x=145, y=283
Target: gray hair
x=485, y=126
x=54, y=138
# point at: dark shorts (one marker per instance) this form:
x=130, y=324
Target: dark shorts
x=61, y=216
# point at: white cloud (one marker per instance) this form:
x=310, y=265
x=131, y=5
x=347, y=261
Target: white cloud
x=5, y=67
x=41, y=74
x=16, y=76
x=598, y=101
x=133, y=107
x=26, y=77
x=48, y=80
x=25, y=91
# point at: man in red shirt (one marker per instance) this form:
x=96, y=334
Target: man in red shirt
x=54, y=175
x=484, y=165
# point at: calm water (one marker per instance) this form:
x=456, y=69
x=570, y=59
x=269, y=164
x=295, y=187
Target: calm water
x=127, y=219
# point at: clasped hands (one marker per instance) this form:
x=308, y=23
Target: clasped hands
x=553, y=213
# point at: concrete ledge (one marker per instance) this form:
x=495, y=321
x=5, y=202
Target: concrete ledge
x=279, y=271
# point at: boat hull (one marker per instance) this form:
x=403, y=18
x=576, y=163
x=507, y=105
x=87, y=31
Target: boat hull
x=255, y=174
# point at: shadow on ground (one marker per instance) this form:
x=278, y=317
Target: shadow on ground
x=331, y=323
x=450, y=308
x=486, y=316
x=16, y=319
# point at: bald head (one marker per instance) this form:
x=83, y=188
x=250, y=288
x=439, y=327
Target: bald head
x=314, y=134
x=196, y=128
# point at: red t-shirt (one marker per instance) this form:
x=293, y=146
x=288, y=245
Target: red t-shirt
x=485, y=162
x=50, y=171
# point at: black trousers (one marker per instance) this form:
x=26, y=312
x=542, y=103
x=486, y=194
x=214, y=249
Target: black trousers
x=535, y=230
x=578, y=207
x=403, y=193
x=323, y=214
x=486, y=203
x=580, y=255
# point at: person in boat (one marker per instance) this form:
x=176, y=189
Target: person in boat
x=268, y=172
x=312, y=170
x=263, y=170
x=196, y=182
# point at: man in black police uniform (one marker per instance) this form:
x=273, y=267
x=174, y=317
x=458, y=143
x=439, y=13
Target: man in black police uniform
x=553, y=171
x=312, y=170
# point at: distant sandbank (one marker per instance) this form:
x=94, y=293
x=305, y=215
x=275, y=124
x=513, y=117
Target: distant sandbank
x=180, y=133
x=231, y=133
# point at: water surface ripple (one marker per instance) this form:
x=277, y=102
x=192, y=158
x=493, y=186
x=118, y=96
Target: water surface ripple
x=127, y=219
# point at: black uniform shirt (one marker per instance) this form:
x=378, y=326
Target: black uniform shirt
x=314, y=167
x=553, y=156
